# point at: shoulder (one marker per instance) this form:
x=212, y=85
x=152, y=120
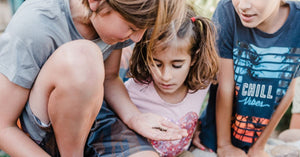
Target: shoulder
x=224, y=13
x=139, y=90
x=294, y=3
x=131, y=84
x=225, y=5
x=37, y=14
x=225, y=2
x=39, y=21
x=42, y=8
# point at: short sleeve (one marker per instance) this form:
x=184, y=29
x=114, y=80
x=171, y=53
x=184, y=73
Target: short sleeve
x=27, y=43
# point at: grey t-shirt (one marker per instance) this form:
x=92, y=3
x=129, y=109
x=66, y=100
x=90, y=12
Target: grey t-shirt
x=36, y=30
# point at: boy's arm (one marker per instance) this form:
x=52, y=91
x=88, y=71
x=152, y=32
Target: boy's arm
x=13, y=140
x=118, y=99
x=224, y=102
x=294, y=124
x=259, y=145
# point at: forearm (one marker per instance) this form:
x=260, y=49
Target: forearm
x=118, y=99
x=16, y=143
x=224, y=102
x=13, y=140
x=115, y=93
x=277, y=115
x=223, y=118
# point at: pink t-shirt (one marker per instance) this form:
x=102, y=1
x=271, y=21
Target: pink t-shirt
x=184, y=113
x=146, y=99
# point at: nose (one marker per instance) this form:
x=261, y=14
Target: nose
x=166, y=74
x=136, y=36
x=244, y=5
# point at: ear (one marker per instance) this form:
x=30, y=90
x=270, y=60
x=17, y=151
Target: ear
x=94, y=4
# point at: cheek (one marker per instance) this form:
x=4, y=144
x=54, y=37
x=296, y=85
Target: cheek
x=109, y=31
x=235, y=3
x=155, y=74
x=184, y=73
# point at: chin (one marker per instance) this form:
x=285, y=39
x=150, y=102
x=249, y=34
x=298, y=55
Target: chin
x=109, y=42
x=249, y=25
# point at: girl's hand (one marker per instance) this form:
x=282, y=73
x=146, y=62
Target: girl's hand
x=230, y=151
x=196, y=140
x=155, y=127
x=257, y=152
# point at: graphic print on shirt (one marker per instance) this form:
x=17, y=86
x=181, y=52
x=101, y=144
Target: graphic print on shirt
x=262, y=77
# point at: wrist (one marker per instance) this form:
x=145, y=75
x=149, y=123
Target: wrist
x=224, y=144
x=258, y=147
x=131, y=120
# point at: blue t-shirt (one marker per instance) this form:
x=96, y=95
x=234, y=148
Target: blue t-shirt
x=264, y=66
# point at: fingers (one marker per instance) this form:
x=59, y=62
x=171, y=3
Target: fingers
x=199, y=145
x=173, y=127
x=169, y=124
x=196, y=142
x=155, y=127
x=165, y=136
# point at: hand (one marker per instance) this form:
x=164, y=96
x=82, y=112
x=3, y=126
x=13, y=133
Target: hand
x=230, y=151
x=155, y=127
x=257, y=152
x=196, y=140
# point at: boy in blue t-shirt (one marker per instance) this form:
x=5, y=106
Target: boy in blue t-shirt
x=260, y=49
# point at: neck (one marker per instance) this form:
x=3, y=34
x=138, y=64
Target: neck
x=81, y=20
x=175, y=97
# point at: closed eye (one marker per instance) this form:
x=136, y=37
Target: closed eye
x=158, y=65
x=177, y=66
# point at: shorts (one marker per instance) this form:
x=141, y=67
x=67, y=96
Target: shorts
x=296, y=101
x=40, y=133
x=109, y=136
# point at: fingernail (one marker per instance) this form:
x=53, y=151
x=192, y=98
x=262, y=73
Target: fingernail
x=202, y=148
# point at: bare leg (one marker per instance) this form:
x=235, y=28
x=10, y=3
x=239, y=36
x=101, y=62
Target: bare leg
x=68, y=93
x=145, y=154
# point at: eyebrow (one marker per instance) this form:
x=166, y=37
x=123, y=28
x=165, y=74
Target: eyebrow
x=176, y=60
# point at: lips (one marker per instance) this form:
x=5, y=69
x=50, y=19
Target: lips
x=246, y=17
x=165, y=86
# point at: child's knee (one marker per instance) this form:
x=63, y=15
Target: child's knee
x=81, y=63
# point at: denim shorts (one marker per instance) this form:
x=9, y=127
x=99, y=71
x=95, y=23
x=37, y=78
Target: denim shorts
x=109, y=136
x=40, y=133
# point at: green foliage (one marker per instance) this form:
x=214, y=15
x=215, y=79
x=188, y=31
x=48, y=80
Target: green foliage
x=204, y=7
x=284, y=122
x=2, y=154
